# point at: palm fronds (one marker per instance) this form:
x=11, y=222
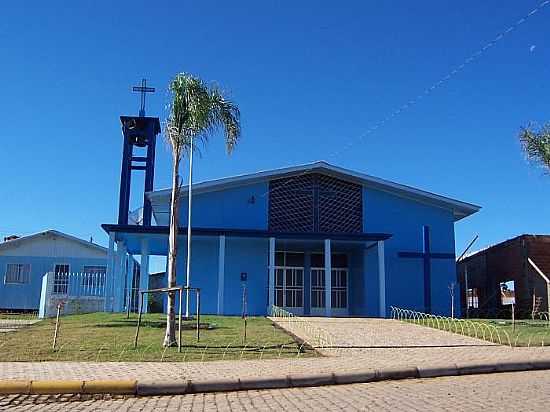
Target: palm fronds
x=536, y=144
x=197, y=111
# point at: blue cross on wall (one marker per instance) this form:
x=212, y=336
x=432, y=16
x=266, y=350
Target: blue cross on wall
x=427, y=257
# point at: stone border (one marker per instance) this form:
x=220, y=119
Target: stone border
x=154, y=388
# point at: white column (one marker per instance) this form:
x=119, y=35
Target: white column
x=381, y=280
x=144, y=273
x=118, y=292
x=328, y=279
x=129, y=282
x=271, y=272
x=110, y=273
x=221, y=273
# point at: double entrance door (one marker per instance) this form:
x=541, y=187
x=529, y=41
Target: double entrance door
x=289, y=288
x=289, y=285
x=338, y=292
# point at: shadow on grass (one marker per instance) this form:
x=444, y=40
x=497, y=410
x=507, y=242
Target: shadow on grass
x=153, y=324
x=251, y=347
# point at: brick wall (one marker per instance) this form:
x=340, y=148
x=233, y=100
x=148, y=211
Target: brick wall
x=501, y=263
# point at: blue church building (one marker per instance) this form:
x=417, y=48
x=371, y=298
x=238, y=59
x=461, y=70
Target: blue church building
x=315, y=239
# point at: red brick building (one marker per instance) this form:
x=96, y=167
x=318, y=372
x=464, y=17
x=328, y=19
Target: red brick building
x=482, y=274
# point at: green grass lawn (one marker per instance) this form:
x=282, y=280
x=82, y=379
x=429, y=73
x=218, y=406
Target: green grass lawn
x=523, y=333
x=110, y=337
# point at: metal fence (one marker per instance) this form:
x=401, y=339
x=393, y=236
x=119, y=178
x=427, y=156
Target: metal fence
x=77, y=292
x=499, y=331
x=12, y=321
x=301, y=327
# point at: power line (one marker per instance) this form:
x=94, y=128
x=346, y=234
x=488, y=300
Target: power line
x=443, y=80
x=427, y=91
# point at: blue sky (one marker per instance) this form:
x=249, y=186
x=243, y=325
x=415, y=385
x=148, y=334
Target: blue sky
x=311, y=79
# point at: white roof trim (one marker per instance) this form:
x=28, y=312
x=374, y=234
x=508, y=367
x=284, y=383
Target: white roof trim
x=15, y=242
x=460, y=209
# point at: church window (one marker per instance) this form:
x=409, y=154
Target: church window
x=315, y=203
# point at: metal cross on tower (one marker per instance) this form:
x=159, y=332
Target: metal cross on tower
x=143, y=89
x=427, y=255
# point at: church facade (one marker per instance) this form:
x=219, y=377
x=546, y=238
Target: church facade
x=315, y=239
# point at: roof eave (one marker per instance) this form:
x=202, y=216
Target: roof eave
x=366, y=180
x=56, y=233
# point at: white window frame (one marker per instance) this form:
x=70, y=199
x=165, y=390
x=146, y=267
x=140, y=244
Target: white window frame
x=61, y=287
x=472, y=301
x=25, y=281
x=318, y=289
x=294, y=289
x=338, y=291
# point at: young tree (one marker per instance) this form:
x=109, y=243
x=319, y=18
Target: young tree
x=536, y=144
x=197, y=110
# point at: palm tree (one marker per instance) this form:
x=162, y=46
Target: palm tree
x=536, y=144
x=197, y=110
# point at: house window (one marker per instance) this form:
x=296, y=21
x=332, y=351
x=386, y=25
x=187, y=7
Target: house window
x=94, y=276
x=17, y=273
x=61, y=279
x=472, y=298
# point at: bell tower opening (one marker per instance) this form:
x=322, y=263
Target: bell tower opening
x=140, y=134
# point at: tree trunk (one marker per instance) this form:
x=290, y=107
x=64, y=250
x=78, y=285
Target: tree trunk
x=170, y=336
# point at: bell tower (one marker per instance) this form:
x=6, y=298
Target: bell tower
x=138, y=131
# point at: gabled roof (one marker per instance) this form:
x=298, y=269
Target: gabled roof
x=52, y=232
x=459, y=208
x=506, y=242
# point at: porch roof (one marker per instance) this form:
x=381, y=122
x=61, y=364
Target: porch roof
x=132, y=235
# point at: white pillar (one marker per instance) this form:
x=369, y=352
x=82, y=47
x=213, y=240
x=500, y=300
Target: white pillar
x=129, y=282
x=144, y=273
x=221, y=273
x=110, y=273
x=122, y=262
x=328, y=279
x=118, y=292
x=271, y=273
x=381, y=280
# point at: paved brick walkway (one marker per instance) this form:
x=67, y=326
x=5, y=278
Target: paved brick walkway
x=364, y=333
x=371, y=343
x=521, y=391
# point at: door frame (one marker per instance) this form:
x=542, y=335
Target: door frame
x=321, y=311
x=297, y=310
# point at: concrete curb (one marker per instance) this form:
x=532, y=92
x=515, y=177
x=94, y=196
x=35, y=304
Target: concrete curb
x=155, y=388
